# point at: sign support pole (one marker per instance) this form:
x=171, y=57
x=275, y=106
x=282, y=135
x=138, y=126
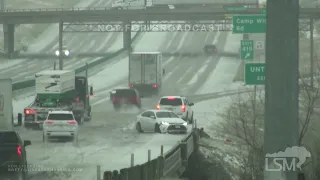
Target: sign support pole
x=311, y=53
x=60, y=45
x=254, y=104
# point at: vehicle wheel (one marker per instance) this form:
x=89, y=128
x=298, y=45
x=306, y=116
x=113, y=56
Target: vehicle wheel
x=138, y=128
x=191, y=119
x=157, y=128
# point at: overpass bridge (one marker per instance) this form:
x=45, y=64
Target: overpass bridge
x=97, y=19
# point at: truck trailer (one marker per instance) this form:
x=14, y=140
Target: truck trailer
x=6, y=107
x=58, y=90
x=145, y=72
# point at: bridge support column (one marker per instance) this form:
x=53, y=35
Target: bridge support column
x=8, y=34
x=127, y=36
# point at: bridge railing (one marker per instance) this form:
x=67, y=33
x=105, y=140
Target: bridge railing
x=57, y=9
x=173, y=162
x=99, y=8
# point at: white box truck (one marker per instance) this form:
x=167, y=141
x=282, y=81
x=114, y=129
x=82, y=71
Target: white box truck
x=6, y=111
x=145, y=72
x=54, y=84
x=59, y=90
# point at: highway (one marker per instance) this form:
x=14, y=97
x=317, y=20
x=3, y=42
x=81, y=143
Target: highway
x=48, y=43
x=110, y=138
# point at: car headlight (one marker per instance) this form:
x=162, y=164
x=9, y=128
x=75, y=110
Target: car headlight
x=66, y=52
x=164, y=123
x=57, y=53
x=185, y=124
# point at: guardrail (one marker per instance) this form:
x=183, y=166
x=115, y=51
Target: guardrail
x=173, y=162
x=57, y=9
x=31, y=82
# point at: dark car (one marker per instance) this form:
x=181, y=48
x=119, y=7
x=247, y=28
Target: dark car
x=125, y=97
x=210, y=49
x=13, y=160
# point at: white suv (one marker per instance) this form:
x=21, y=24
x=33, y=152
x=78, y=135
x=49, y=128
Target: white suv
x=179, y=105
x=60, y=124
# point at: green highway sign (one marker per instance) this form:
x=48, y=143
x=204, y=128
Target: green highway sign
x=254, y=73
x=264, y=11
x=249, y=24
x=246, y=49
x=236, y=8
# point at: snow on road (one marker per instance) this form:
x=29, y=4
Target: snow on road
x=111, y=74
x=88, y=156
x=5, y=64
x=233, y=43
x=51, y=33
x=150, y=41
x=221, y=79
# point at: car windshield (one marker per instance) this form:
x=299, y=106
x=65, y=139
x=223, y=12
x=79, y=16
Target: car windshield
x=171, y=102
x=8, y=137
x=126, y=93
x=60, y=117
x=166, y=114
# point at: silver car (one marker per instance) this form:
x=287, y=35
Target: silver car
x=60, y=124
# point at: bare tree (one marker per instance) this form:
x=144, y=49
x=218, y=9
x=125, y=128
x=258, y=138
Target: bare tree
x=244, y=120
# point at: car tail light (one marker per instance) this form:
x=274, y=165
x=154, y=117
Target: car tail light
x=155, y=86
x=72, y=122
x=158, y=107
x=137, y=100
x=183, y=108
x=115, y=99
x=77, y=99
x=49, y=122
x=171, y=98
x=131, y=85
x=29, y=111
x=19, y=151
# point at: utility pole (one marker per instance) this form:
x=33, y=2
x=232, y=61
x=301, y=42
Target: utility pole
x=311, y=53
x=60, y=45
x=281, y=88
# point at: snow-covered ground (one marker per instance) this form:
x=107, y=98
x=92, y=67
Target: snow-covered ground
x=150, y=41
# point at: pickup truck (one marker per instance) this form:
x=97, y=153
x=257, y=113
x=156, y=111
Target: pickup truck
x=13, y=159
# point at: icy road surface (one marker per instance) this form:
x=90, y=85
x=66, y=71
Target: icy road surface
x=110, y=138
x=47, y=43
